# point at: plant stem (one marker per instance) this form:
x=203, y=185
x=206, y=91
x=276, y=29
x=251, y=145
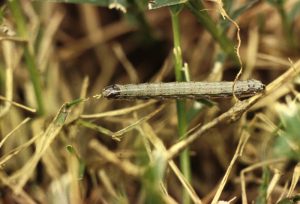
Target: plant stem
x=28, y=55
x=181, y=112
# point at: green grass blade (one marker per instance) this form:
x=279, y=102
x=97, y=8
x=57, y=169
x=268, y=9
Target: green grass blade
x=262, y=197
x=238, y=12
x=180, y=104
x=155, y=4
x=202, y=16
x=15, y=7
x=81, y=168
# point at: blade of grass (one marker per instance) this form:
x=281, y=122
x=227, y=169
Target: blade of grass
x=252, y=168
x=75, y=164
x=23, y=174
x=97, y=128
x=8, y=49
x=118, y=134
x=237, y=12
x=202, y=16
x=262, y=192
x=124, y=165
x=295, y=179
x=149, y=133
x=239, y=151
x=274, y=181
x=6, y=157
x=23, y=196
x=73, y=152
x=153, y=176
x=15, y=129
x=106, y=181
x=155, y=4
x=137, y=123
x=287, y=23
x=128, y=66
x=117, y=112
x=180, y=104
x=15, y=7
x=18, y=104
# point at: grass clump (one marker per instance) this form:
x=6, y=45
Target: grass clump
x=55, y=149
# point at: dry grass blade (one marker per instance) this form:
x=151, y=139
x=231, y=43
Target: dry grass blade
x=295, y=180
x=97, y=128
x=164, y=70
x=13, y=39
x=46, y=44
x=158, y=144
x=137, y=123
x=239, y=150
x=22, y=197
x=118, y=134
x=95, y=38
x=187, y=186
x=268, y=125
x=274, y=182
x=23, y=174
x=107, y=183
x=8, y=55
x=77, y=111
x=133, y=76
x=74, y=161
x=251, y=52
x=122, y=111
x=18, y=105
x=276, y=60
x=124, y=165
x=16, y=151
x=251, y=168
x=14, y=130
